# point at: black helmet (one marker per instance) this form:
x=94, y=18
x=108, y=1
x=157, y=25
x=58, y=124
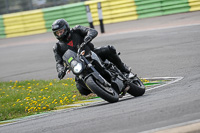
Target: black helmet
x=60, y=28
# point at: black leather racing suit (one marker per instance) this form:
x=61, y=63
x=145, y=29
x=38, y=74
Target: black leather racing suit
x=75, y=39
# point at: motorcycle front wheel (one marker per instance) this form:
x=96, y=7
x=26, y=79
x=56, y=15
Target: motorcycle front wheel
x=108, y=94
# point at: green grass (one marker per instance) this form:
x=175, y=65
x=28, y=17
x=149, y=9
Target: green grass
x=23, y=98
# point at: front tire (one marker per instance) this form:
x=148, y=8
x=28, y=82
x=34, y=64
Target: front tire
x=100, y=91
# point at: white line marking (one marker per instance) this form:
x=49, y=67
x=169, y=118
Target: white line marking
x=170, y=82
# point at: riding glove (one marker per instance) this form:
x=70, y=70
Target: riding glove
x=87, y=39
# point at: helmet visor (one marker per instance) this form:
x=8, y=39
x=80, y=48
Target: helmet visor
x=60, y=32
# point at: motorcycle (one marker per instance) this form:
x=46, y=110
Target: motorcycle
x=102, y=77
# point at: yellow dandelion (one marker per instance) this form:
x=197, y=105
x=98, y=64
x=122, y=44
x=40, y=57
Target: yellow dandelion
x=44, y=108
x=50, y=84
x=74, y=96
x=27, y=98
x=65, y=98
x=35, y=102
x=14, y=105
x=41, y=90
x=61, y=101
x=18, y=100
x=46, y=88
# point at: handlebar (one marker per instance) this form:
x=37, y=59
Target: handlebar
x=81, y=46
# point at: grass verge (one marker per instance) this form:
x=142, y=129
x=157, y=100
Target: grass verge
x=24, y=98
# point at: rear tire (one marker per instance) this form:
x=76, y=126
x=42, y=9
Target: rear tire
x=100, y=91
x=137, y=88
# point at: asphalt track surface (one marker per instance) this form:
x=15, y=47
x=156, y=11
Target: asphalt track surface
x=166, y=46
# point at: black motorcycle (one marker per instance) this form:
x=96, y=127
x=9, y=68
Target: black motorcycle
x=102, y=77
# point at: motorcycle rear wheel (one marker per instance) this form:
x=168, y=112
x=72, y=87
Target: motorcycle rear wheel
x=137, y=88
x=100, y=91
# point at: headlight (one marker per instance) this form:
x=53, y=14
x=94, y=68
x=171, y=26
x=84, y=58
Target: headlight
x=77, y=68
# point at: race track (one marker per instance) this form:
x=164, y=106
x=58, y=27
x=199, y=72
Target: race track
x=167, y=51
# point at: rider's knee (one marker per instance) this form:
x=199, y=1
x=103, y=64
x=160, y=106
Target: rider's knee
x=112, y=49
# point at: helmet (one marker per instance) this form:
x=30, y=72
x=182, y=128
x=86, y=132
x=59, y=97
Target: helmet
x=61, y=29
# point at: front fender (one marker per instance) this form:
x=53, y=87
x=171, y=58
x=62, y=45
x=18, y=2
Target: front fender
x=96, y=76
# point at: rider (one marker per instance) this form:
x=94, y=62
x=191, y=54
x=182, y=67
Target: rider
x=71, y=39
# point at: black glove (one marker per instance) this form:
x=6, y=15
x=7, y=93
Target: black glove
x=87, y=39
x=61, y=74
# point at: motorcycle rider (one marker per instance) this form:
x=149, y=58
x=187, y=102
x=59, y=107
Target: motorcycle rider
x=72, y=39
